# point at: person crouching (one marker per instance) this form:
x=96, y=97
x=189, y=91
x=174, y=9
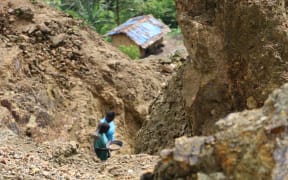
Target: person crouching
x=101, y=141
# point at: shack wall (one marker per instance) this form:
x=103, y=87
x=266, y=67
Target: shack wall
x=122, y=39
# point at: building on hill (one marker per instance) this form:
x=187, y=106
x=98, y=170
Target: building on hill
x=145, y=32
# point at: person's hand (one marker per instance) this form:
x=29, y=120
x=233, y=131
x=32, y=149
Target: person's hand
x=108, y=144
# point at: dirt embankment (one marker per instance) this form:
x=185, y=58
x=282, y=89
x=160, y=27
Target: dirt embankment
x=58, y=77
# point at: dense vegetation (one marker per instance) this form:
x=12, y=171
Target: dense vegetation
x=104, y=15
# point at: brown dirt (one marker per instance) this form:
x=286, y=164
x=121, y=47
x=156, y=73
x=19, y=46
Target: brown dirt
x=58, y=77
x=172, y=44
x=22, y=158
x=238, y=55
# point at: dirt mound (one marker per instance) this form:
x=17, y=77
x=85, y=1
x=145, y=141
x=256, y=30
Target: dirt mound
x=58, y=77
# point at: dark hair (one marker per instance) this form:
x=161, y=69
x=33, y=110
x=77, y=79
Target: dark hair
x=110, y=116
x=103, y=127
x=147, y=176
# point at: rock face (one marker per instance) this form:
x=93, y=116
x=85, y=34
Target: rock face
x=248, y=145
x=57, y=77
x=238, y=56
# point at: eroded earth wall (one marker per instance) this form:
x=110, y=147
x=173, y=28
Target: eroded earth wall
x=238, y=55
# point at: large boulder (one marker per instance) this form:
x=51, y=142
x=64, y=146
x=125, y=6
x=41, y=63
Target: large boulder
x=248, y=145
x=238, y=56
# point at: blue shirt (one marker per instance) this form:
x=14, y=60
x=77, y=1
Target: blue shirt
x=111, y=131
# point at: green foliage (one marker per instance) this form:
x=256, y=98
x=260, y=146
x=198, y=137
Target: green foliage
x=162, y=9
x=108, y=39
x=175, y=32
x=104, y=15
x=55, y=3
x=94, y=12
x=130, y=8
x=33, y=1
x=132, y=51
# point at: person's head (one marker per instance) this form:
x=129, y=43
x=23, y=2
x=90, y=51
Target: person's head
x=110, y=116
x=147, y=176
x=103, y=128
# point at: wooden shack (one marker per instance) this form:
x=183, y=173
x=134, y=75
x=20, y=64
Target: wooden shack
x=145, y=32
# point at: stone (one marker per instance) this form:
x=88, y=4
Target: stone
x=11, y=19
x=167, y=68
x=130, y=171
x=32, y=122
x=57, y=40
x=31, y=29
x=165, y=61
x=24, y=37
x=3, y=161
x=24, y=13
x=43, y=28
x=46, y=174
x=201, y=176
x=251, y=103
x=10, y=10
x=34, y=171
x=242, y=143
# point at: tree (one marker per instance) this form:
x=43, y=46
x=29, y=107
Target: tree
x=104, y=15
x=162, y=9
x=94, y=12
x=125, y=9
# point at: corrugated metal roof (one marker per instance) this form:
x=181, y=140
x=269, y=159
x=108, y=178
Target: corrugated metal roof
x=143, y=30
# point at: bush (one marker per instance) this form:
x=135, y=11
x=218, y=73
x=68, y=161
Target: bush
x=132, y=51
x=175, y=32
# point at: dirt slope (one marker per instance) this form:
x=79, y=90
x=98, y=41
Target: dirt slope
x=58, y=77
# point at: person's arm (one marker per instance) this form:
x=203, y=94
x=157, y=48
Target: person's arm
x=113, y=127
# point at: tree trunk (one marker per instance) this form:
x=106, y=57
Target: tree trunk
x=117, y=13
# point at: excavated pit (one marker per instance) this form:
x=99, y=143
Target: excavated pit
x=58, y=78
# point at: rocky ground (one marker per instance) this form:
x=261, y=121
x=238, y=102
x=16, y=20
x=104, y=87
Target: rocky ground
x=22, y=158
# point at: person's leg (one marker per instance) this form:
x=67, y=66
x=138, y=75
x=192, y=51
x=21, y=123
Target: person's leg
x=108, y=152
